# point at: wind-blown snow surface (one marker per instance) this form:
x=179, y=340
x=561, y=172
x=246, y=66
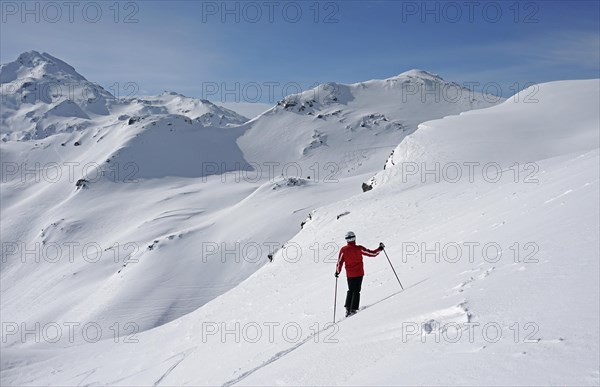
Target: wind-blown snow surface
x=526, y=307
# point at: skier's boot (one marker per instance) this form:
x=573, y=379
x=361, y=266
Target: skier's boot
x=348, y=312
x=353, y=312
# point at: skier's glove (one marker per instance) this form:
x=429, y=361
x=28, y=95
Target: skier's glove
x=381, y=246
x=337, y=274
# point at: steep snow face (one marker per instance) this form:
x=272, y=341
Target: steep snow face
x=174, y=145
x=523, y=311
x=502, y=135
x=42, y=95
x=32, y=64
x=340, y=130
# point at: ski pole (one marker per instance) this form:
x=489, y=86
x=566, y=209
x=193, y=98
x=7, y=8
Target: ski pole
x=335, y=299
x=388, y=258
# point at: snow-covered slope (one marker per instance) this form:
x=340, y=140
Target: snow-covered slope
x=339, y=130
x=137, y=202
x=436, y=143
x=509, y=298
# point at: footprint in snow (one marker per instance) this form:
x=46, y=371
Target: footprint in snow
x=487, y=272
x=460, y=287
x=467, y=283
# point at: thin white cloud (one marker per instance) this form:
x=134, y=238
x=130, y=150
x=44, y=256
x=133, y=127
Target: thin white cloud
x=581, y=48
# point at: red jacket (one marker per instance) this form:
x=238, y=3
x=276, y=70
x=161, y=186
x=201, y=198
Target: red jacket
x=352, y=256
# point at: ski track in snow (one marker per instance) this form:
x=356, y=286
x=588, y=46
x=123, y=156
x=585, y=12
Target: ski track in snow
x=179, y=356
x=281, y=354
x=183, y=356
x=559, y=196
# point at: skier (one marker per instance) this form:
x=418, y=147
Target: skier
x=352, y=256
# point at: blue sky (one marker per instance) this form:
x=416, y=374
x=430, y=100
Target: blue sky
x=198, y=48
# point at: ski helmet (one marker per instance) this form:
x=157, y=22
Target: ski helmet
x=350, y=236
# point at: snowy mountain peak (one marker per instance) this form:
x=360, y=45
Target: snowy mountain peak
x=332, y=93
x=170, y=102
x=42, y=95
x=351, y=125
x=33, y=65
x=416, y=73
x=34, y=58
x=171, y=93
x=317, y=98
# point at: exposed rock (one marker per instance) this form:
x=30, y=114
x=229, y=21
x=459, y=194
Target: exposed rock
x=82, y=183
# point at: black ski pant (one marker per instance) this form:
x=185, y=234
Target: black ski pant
x=353, y=295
